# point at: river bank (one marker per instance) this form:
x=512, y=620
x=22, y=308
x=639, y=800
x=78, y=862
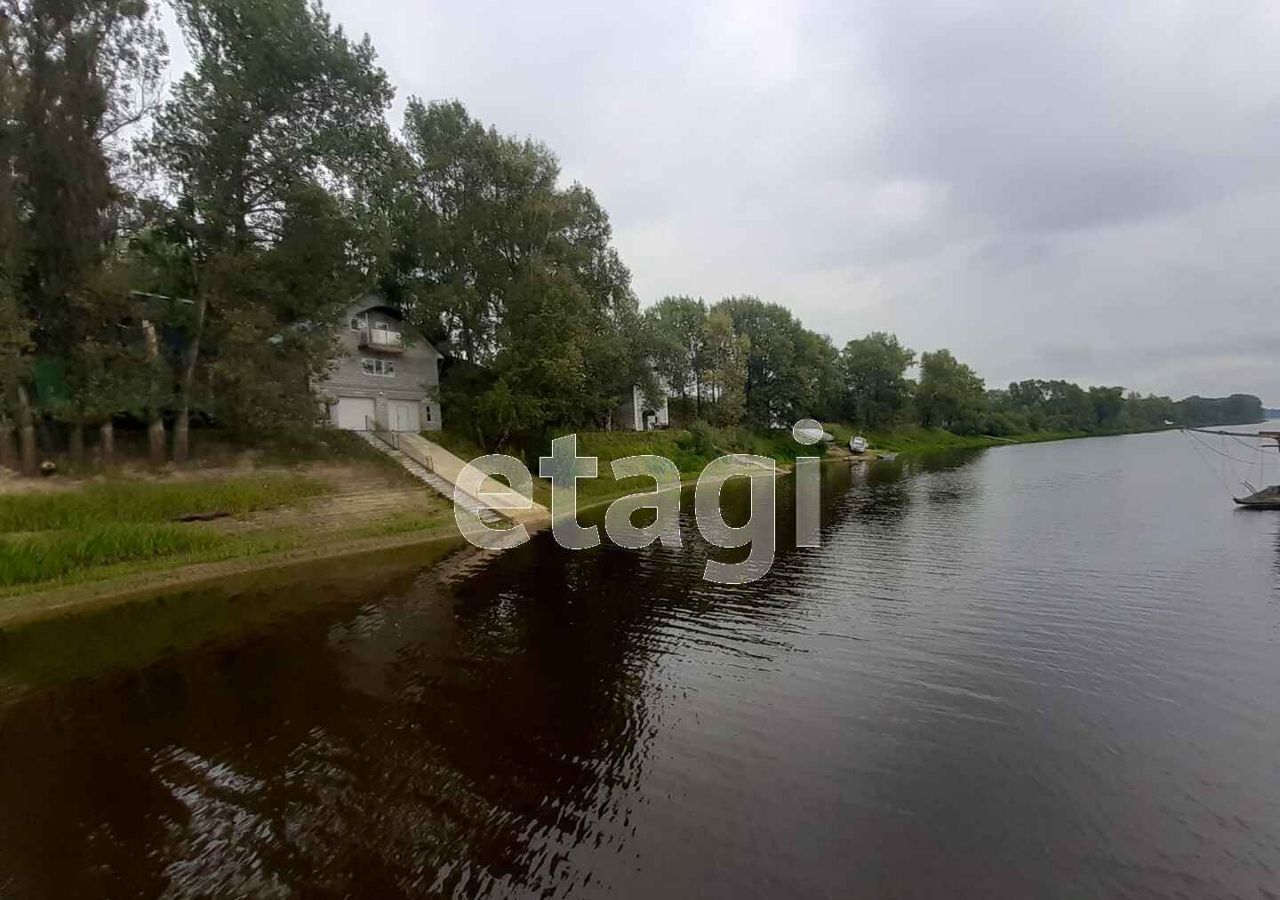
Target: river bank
x=71, y=542
x=74, y=545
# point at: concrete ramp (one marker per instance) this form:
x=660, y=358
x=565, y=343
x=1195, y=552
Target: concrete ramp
x=440, y=469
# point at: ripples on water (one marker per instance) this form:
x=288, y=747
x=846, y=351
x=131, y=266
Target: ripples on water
x=1041, y=671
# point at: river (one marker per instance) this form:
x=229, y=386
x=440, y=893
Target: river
x=1034, y=671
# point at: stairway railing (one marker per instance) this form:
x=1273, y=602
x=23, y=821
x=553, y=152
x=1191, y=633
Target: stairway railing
x=393, y=440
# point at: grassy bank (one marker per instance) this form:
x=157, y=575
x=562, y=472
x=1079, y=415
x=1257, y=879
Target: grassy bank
x=60, y=534
x=63, y=535
x=689, y=450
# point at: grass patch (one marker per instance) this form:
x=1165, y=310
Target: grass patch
x=690, y=450
x=86, y=532
x=124, y=502
x=53, y=554
x=67, y=558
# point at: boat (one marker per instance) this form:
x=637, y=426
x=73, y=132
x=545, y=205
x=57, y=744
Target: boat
x=857, y=444
x=1267, y=498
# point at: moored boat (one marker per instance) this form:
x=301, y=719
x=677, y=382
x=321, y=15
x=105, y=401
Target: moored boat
x=1267, y=498
x=858, y=444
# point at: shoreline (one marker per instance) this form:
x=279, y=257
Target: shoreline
x=71, y=599
x=52, y=601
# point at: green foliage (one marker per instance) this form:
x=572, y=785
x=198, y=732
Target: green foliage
x=950, y=395
x=790, y=369
x=274, y=124
x=517, y=275
x=1238, y=409
x=876, y=389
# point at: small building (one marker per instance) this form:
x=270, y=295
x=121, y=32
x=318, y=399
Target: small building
x=637, y=414
x=387, y=375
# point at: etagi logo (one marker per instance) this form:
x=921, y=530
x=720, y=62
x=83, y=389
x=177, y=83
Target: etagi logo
x=564, y=467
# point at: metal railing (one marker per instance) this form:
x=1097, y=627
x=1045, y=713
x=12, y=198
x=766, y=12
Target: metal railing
x=393, y=440
x=381, y=339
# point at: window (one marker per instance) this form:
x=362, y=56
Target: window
x=384, y=367
x=428, y=409
x=358, y=322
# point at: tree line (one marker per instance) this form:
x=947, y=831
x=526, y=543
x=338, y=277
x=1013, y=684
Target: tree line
x=744, y=361
x=170, y=256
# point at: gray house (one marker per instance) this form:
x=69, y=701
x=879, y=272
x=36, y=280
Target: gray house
x=386, y=374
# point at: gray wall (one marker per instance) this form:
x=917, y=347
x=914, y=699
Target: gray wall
x=417, y=368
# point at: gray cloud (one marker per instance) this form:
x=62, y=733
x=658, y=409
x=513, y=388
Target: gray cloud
x=1079, y=190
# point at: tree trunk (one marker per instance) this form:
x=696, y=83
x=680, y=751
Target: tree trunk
x=27, y=433
x=107, y=443
x=8, y=448
x=155, y=427
x=181, y=427
x=75, y=442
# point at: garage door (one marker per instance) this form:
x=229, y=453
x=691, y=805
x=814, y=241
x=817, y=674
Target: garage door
x=350, y=412
x=403, y=415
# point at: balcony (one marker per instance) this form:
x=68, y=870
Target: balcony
x=381, y=340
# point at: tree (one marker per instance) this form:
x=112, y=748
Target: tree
x=950, y=395
x=726, y=359
x=876, y=389
x=492, y=252
x=15, y=328
x=278, y=103
x=786, y=364
x=88, y=70
x=679, y=332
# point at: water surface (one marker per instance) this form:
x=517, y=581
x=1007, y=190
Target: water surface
x=1046, y=670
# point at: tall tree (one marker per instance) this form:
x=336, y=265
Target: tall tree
x=950, y=395
x=15, y=328
x=88, y=69
x=278, y=102
x=874, y=370
x=492, y=251
x=726, y=353
x=679, y=330
x=787, y=365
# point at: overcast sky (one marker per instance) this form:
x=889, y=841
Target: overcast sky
x=1071, y=190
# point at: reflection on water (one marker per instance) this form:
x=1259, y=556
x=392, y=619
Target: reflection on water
x=1039, y=671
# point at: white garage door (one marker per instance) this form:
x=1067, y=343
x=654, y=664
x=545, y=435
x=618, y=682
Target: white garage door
x=350, y=412
x=403, y=415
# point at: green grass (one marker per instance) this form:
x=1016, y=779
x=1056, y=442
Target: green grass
x=76, y=533
x=120, y=502
x=689, y=450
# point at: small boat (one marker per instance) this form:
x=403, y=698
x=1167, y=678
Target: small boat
x=1267, y=498
x=858, y=444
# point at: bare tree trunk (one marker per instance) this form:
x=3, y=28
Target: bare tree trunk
x=27, y=433
x=8, y=447
x=155, y=427
x=181, y=438
x=75, y=442
x=107, y=443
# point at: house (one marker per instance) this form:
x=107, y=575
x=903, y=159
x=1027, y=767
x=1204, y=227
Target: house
x=637, y=414
x=386, y=375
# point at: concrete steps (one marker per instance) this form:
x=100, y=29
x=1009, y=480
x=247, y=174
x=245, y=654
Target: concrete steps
x=440, y=485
